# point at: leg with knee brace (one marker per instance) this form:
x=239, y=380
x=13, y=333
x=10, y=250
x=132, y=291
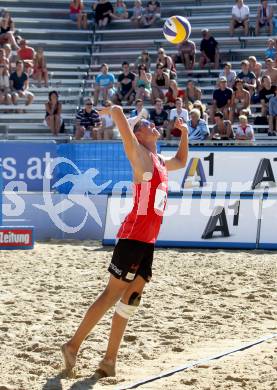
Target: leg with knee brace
x=126, y=310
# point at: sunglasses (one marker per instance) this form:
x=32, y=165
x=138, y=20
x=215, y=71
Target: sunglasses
x=88, y=104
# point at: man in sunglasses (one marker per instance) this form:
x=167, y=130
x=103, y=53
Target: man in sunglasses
x=87, y=122
x=131, y=264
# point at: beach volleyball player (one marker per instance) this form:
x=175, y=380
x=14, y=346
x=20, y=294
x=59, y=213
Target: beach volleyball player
x=131, y=263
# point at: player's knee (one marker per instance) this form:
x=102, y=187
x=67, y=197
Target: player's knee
x=127, y=308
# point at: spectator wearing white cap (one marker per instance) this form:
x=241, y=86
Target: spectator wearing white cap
x=240, y=17
x=209, y=50
x=222, y=97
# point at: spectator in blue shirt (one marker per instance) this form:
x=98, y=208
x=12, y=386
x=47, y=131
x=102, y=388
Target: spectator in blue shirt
x=271, y=50
x=273, y=114
x=198, y=128
x=104, y=85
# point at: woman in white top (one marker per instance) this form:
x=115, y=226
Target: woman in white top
x=244, y=130
x=5, y=96
x=106, y=131
x=176, y=113
x=240, y=17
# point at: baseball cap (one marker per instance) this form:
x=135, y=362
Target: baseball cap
x=134, y=120
x=205, y=29
x=222, y=78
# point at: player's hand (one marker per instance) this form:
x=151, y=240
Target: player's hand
x=180, y=125
x=105, y=110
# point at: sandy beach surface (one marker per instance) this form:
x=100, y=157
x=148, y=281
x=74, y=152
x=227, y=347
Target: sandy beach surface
x=199, y=303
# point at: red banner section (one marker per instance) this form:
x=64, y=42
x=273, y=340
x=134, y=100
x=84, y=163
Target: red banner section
x=16, y=238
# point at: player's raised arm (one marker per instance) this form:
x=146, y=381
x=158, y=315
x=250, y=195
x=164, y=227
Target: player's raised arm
x=180, y=158
x=129, y=139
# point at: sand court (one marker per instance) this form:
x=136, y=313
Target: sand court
x=198, y=303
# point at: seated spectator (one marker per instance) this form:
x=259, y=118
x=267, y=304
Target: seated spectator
x=104, y=85
x=273, y=114
x=160, y=117
x=264, y=17
x=106, y=131
x=103, y=11
x=222, y=97
x=176, y=113
x=156, y=6
x=172, y=94
x=144, y=59
x=151, y=13
x=10, y=56
x=87, y=122
x=7, y=30
x=19, y=83
x=202, y=108
x=120, y=11
x=222, y=129
x=137, y=13
x=5, y=96
x=3, y=59
x=248, y=77
x=240, y=101
x=26, y=54
x=53, y=113
x=244, y=131
x=160, y=83
x=139, y=110
x=197, y=127
x=77, y=14
x=143, y=83
x=209, y=50
x=192, y=93
x=229, y=74
x=255, y=67
x=40, y=68
x=267, y=92
x=270, y=52
x=167, y=63
x=270, y=71
x=186, y=54
x=125, y=85
x=240, y=17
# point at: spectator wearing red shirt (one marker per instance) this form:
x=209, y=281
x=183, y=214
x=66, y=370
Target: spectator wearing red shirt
x=26, y=54
x=172, y=94
x=77, y=14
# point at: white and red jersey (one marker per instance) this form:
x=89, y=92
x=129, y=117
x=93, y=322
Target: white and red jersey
x=144, y=221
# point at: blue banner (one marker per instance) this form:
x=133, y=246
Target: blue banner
x=23, y=164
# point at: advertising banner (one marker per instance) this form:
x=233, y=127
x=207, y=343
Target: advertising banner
x=228, y=169
x=197, y=221
x=23, y=164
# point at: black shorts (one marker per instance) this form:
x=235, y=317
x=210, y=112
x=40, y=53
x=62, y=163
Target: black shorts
x=238, y=24
x=130, y=259
x=178, y=58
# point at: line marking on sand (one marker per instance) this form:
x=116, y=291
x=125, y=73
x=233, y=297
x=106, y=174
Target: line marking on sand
x=173, y=371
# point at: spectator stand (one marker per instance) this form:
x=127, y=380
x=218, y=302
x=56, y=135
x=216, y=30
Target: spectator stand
x=68, y=55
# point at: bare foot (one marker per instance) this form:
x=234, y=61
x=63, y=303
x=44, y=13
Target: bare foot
x=105, y=369
x=69, y=356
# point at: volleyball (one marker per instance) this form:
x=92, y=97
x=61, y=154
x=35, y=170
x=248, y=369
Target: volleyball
x=177, y=29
